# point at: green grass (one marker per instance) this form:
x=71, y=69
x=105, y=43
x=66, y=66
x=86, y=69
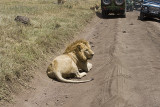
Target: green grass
x=22, y=47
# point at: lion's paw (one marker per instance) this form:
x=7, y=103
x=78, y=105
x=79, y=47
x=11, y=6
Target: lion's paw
x=89, y=65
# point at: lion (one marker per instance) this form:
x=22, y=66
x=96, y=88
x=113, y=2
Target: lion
x=75, y=58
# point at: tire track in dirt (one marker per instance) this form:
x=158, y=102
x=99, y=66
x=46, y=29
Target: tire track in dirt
x=139, y=51
x=114, y=79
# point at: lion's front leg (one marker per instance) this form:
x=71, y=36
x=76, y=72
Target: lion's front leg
x=89, y=66
x=80, y=75
x=86, y=66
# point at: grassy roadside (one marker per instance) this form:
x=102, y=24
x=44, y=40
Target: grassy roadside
x=22, y=46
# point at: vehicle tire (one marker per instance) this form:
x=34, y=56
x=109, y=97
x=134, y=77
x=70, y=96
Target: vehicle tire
x=106, y=2
x=141, y=17
x=119, y=2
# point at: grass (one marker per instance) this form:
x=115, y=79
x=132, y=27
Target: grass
x=23, y=46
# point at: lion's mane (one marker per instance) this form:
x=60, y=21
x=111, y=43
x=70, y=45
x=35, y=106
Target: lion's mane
x=72, y=47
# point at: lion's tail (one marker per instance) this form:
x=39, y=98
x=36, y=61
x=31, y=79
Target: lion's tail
x=60, y=78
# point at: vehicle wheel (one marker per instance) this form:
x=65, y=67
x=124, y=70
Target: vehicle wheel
x=141, y=16
x=106, y=2
x=119, y=2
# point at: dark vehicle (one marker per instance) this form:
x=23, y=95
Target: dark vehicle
x=150, y=8
x=117, y=7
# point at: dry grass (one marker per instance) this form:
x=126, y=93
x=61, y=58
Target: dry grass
x=22, y=46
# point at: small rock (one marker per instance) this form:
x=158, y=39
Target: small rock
x=91, y=42
x=61, y=1
x=66, y=96
x=131, y=24
x=124, y=31
x=95, y=7
x=26, y=100
x=92, y=46
x=23, y=19
x=57, y=25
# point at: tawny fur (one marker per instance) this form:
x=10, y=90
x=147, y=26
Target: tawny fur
x=75, y=58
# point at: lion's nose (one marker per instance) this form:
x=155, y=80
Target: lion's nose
x=92, y=54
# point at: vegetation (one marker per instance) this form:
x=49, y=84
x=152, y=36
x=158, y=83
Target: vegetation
x=23, y=47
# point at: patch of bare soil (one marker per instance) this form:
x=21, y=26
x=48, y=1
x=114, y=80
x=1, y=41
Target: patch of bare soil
x=125, y=68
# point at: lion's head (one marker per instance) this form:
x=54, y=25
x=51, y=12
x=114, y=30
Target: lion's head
x=72, y=46
x=81, y=49
x=83, y=52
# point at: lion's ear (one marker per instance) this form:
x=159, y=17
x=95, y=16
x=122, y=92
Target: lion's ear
x=79, y=47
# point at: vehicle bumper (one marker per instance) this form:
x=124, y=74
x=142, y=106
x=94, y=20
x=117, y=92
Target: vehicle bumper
x=151, y=14
x=111, y=9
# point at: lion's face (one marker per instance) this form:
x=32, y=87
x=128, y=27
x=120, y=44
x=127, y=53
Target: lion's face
x=84, y=52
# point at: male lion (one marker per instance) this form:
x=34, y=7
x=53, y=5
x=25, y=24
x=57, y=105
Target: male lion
x=74, y=58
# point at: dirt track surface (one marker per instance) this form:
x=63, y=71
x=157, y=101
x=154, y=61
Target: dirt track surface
x=126, y=69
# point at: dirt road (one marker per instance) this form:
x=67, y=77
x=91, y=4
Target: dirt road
x=126, y=69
